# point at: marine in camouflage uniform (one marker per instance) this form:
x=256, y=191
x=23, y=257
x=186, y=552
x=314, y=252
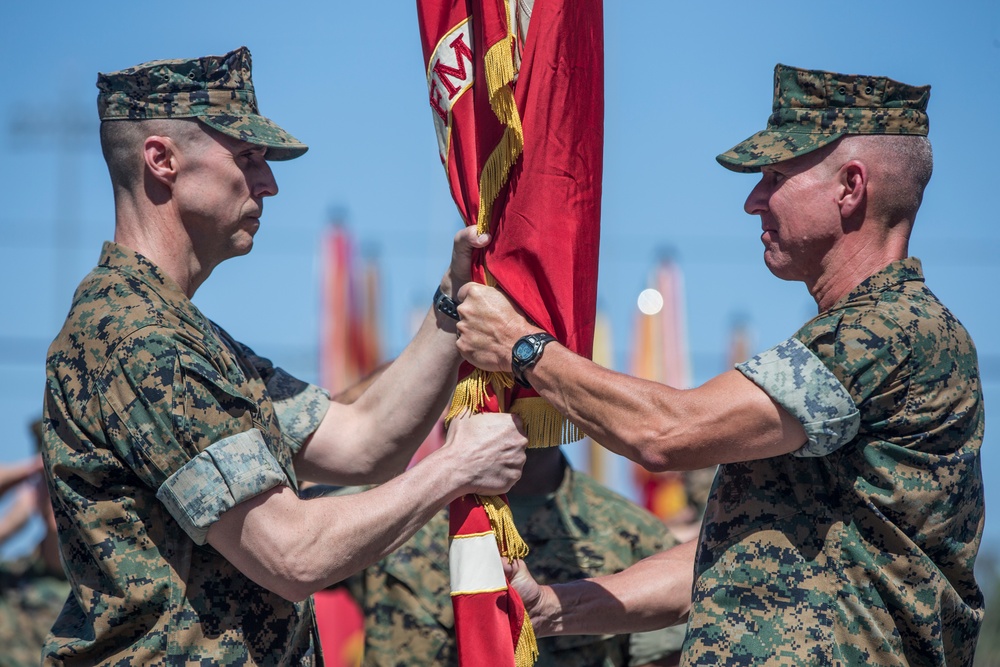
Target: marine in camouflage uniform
x=582, y=529
x=861, y=552
x=169, y=447
x=33, y=588
x=158, y=422
x=861, y=555
x=845, y=518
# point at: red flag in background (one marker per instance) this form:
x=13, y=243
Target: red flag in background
x=516, y=89
x=341, y=626
x=661, y=354
x=335, y=308
x=350, y=349
x=350, y=345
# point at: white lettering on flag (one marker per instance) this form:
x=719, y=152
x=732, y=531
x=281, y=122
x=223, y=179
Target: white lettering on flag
x=449, y=75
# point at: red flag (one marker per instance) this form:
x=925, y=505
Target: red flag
x=337, y=366
x=341, y=626
x=524, y=160
x=516, y=89
x=349, y=334
x=480, y=594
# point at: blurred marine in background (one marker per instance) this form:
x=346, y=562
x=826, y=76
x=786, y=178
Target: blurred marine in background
x=33, y=587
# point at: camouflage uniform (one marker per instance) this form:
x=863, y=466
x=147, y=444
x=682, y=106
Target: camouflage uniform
x=859, y=553
x=31, y=596
x=156, y=423
x=582, y=530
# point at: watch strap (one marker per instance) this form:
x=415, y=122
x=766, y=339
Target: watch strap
x=445, y=304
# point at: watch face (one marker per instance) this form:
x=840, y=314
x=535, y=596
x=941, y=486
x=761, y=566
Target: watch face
x=523, y=350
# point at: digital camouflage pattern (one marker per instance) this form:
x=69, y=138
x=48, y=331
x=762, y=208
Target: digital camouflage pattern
x=582, y=530
x=217, y=90
x=216, y=480
x=140, y=384
x=31, y=596
x=798, y=381
x=864, y=556
x=813, y=108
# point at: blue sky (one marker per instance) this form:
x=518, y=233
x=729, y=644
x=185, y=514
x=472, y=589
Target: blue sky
x=684, y=81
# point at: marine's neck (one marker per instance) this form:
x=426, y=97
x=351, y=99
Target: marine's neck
x=157, y=233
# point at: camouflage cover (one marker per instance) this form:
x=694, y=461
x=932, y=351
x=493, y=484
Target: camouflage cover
x=813, y=108
x=581, y=530
x=140, y=384
x=217, y=90
x=864, y=556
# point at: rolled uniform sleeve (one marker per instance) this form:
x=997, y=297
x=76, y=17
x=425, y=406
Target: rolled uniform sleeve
x=193, y=431
x=216, y=480
x=795, y=378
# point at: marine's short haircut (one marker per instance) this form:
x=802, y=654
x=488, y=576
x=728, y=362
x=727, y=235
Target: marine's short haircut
x=122, y=141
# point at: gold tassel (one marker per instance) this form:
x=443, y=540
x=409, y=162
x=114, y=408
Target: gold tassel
x=499, y=66
x=526, y=651
x=470, y=392
x=543, y=424
x=512, y=545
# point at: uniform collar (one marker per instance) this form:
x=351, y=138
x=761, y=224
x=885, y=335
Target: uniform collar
x=896, y=273
x=130, y=263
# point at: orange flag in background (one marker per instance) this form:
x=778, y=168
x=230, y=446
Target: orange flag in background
x=661, y=354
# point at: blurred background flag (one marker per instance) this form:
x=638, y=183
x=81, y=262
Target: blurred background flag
x=349, y=349
x=350, y=338
x=660, y=354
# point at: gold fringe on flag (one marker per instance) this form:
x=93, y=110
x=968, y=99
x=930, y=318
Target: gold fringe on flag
x=543, y=424
x=470, y=392
x=499, y=65
x=512, y=545
x=526, y=651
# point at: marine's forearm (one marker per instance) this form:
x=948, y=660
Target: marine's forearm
x=651, y=594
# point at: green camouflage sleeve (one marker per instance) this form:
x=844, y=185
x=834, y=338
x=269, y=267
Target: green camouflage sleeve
x=300, y=406
x=792, y=375
x=216, y=480
x=172, y=416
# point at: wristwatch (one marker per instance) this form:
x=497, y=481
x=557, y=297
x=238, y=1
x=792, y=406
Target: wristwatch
x=445, y=304
x=526, y=353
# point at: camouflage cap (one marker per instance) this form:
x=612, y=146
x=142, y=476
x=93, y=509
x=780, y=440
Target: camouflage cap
x=813, y=108
x=217, y=90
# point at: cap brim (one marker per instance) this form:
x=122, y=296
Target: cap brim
x=258, y=130
x=770, y=147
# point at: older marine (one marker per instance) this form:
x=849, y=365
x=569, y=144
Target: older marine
x=847, y=511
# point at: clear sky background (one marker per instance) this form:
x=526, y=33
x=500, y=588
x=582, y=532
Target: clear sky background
x=684, y=81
